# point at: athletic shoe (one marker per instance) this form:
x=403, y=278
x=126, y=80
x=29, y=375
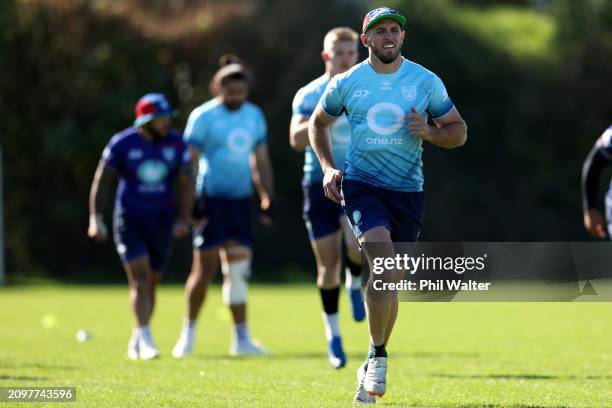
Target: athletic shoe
x=248, y=348
x=184, y=345
x=357, y=305
x=335, y=352
x=146, y=346
x=375, y=381
x=361, y=396
x=132, y=351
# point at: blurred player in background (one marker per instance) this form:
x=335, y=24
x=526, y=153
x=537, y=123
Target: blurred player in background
x=149, y=159
x=325, y=220
x=388, y=100
x=599, y=158
x=229, y=138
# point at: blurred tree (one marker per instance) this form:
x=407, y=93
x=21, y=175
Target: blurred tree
x=72, y=71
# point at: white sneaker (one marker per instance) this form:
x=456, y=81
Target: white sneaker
x=361, y=396
x=184, y=345
x=375, y=381
x=132, y=351
x=146, y=346
x=248, y=348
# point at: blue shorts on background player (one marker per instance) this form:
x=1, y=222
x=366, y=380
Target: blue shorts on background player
x=226, y=134
x=325, y=221
x=149, y=160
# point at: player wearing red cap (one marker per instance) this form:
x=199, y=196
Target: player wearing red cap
x=153, y=203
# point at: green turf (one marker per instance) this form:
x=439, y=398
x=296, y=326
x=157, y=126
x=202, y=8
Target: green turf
x=441, y=355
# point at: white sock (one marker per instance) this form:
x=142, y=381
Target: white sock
x=145, y=331
x=189, y=326
x=352, y=282
x=332, y=326
x=136, y=332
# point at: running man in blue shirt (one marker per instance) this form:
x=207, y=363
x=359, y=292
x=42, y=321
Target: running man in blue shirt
x=388, y=100
x=325, y=220
x=599, y=158
x=228, y=135
x=149, y=159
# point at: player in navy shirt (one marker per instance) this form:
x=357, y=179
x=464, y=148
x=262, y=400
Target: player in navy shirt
x=154, y=169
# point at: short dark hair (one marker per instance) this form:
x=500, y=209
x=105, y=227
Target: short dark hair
x=232, y=69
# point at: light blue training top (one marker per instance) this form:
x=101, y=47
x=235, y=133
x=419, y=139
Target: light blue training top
x=304, y=104
x=225, y=139
x=382, y=151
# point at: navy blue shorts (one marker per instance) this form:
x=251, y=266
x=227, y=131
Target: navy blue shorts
x=321, y=215
x=228, y=219
x=368, y=206
x=136, y=236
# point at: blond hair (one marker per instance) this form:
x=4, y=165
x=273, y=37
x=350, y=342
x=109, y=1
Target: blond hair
x=339, y=34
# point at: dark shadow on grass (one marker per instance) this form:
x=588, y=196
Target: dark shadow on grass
x=502, y=406
x=353, y=355
x=393, y=355
x=474, y=405
x=322, y=354
x=436, y=354
x=523, y=376
x=22, y=378
x=38, y=366
x=315, y=355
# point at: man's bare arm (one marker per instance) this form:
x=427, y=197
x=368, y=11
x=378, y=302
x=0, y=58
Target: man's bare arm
x=101, y=187
x=185, y=195
x=450, y=130
x=298, y=133
x=318, y=134
x=263, y=179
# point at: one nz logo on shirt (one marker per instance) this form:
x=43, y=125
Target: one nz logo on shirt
x=409, y=92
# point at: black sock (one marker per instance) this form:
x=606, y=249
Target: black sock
x=377, y=351
x=354, y=268
x=330, y=297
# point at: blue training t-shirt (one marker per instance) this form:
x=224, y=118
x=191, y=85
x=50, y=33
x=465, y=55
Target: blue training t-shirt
x=147, y=170
x=225, y=140
x=382, y=151
x=304, y=104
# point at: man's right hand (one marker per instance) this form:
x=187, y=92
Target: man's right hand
x=594, y=222
x=331, y=181
x=97, y=229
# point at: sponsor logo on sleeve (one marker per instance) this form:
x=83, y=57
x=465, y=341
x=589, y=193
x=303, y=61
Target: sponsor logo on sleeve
x=361, y=93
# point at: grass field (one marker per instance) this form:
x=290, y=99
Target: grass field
x=441, y=355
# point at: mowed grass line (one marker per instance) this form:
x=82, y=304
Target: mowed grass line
x=441, y=354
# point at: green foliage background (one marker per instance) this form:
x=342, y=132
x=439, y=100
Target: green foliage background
x=531, y=78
